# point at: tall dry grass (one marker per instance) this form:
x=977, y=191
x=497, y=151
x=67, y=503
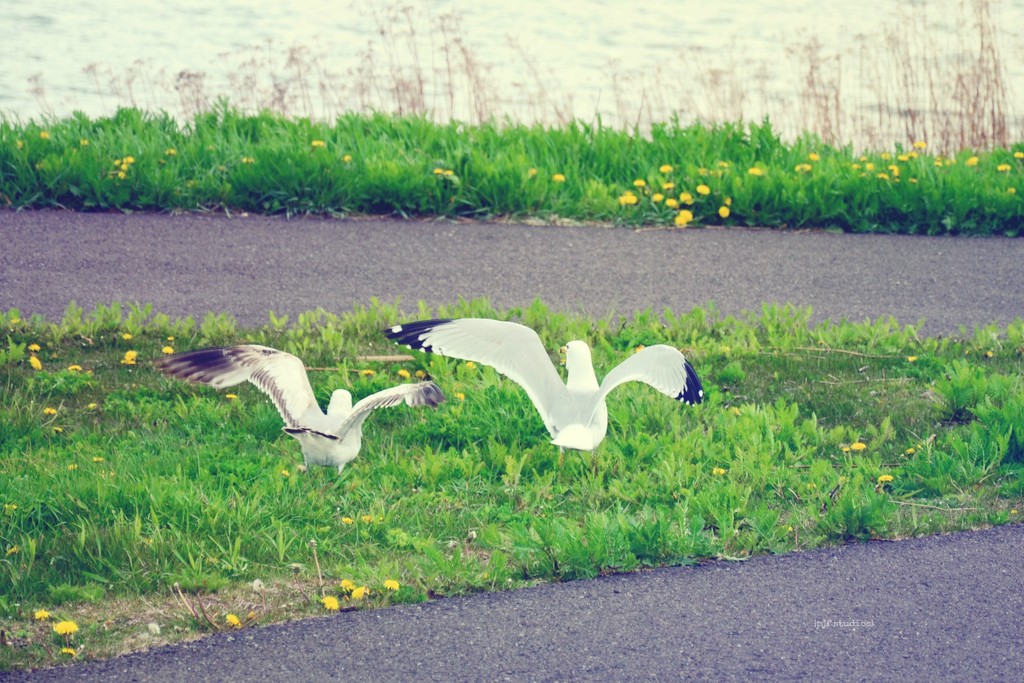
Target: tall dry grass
x=911, y=80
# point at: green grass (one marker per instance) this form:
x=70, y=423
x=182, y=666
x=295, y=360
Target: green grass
x=118, y=483
x=408, y=166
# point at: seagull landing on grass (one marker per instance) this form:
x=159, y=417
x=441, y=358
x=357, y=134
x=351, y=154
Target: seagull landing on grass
x=575, y=412
x=331, y=440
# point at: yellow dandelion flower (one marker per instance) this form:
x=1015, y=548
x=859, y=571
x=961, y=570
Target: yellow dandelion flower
x=248, y=160
x=813, y=156
x=558, y=178
x=449, y=172
x=41, y=615
x=360, y=593
x=639, y=182
x=657, y=197
x=10, y=507
x=911, y=359
x=366, y=519
x=755, y=171
x=97, y=459
x=1013, y=511
x=973, y=161
x=883, y=176
x=683, y=217
x=885, y=479
x=686, y=198
x=438, y=171
x=910, y=451
x=988, y=354
x=167, y=350
x=65, y=628
x=1018, y=155
x=49, y=411
x=723, y=164
x=92, y=406
x=129, y=159
x=734, y=411
x=231, y=397
x=665, y=168
x=44, y=135
x=21, y=145
x=531, y=173
x=393, y=585
x=668, y=186
x=285, y=473
x=904, y=157
x=703, y=189
x=1012, y=190
x=170, y=151
x=317, y=143
x=34, y=348
x=347, y=585
x=1003, y=168
x=367, y=372
x=723, y=211
x=72, y=467
x=74, y=368
x=420, y=374
x=233, y=620
x=459, y=395
x=13, y=550
x=671, y=202
x=330, y=603
x=702, y=171
x=920, y=144
x=127, y=336
x=718, y=471
x=347, y=158
x=70, y=651
x=404, y=374
x=857, y=446
x=628, y=199
x=869, y=167
x=129, y=357
x=347, y=520
x=35, y=363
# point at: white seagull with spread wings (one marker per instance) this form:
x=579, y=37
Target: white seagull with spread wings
x=574, y=412
x=331, y=440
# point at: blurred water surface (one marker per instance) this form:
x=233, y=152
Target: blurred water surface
x=529, y=60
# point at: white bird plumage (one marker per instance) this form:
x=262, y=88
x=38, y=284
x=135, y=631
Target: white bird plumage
x=332, y=439
x=574, y=412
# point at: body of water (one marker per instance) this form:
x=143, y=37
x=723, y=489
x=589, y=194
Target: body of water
x=469, y=59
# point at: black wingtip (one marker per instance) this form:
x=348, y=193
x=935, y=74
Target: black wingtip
x=201, y=361
x=410, y=333
x=694, y=391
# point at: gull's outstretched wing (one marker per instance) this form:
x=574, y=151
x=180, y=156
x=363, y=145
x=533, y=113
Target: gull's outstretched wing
x=418, y=394
x=280, y=375
x=512, y=349
x=661, y=366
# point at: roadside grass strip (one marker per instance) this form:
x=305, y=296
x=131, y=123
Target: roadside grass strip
x=674, y=175
x=139, y=510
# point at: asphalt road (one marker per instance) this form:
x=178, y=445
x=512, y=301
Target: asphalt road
x=941, y=608
x=192, y=264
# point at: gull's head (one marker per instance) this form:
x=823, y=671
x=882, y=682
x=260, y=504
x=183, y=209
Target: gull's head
x=341, y=403
x=577, y=353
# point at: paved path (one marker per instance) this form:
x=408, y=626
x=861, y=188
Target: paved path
x=189, y=265
x=949, y=607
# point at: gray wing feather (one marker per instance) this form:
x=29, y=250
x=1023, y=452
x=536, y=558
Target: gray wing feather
x=278, y=374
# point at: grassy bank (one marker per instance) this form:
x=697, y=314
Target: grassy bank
x=145, y=510
x=731, y=174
